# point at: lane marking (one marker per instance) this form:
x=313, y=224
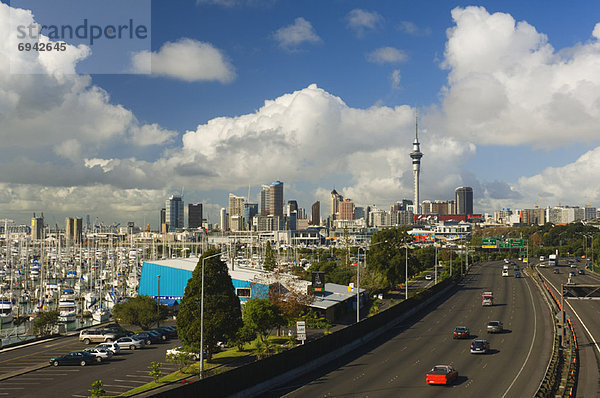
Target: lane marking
x=530, y=345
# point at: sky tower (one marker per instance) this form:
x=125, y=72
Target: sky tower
x=416, y=156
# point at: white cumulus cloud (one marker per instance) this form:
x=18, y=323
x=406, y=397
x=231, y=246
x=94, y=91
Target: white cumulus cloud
x=292, y=36
x=360, y=20
x=186, y=59
x=386, y=55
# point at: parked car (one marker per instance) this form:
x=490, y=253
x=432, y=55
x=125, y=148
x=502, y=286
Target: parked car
x=148, y=337
x=101, y=354
x=114, y=347
x=130, y=343
x=164, y=334
x=480, y=347
x=172, y=330
x=494, y=327
x=96, y=335
x=461, y=332
x=176, y=351
x=81, y=358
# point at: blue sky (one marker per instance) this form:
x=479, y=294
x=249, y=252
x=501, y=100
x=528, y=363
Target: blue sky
x=496, y=84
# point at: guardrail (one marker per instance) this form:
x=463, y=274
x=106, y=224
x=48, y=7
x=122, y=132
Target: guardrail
x=560, y=379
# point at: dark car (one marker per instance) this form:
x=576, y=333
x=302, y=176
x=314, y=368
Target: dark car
x=81, y=358
x=171, y=329
x=556, y=271
x=164, y=334
x=494, y=327
x=460, y=332
x=517, y=274
x=581, y=272
x=480, y=347
x=118, y=330
x=572, y=273
x=148, y=337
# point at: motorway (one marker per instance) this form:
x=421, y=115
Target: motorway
x=396, y=364
x=584, y=314
x=123, y=372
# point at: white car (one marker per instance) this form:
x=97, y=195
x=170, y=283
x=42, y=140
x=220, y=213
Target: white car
x=173, y=352
x=114, y=347
x=504, y=272
x=428, y=277
x=101, y=354
x=129, y=343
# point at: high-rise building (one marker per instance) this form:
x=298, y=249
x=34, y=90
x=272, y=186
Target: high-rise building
x=264, y=200
x=162, y=226
x=346, y=208
x=194, y=215
x=73, y=229
x=37, y=227
x=276, y=199
x=236, y=208
x=316, y=213
x=336, y=199
x=292, y=206
x=250, y=210
x=416, y=156
x=464, y=200
x=174, y=212
x=223, y=220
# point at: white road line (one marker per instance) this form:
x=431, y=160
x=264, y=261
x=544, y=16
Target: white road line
x=150, y=377
x=119, y=386
x=530, y=345
x=131, y=381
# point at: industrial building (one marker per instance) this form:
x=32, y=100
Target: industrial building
x=168, y=279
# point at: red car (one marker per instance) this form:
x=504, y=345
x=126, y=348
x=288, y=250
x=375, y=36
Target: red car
x=441, y=374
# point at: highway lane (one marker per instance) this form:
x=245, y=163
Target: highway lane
x=396, y=365
x=585, y=316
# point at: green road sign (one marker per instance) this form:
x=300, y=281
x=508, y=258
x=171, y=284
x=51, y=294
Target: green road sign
x=516, y=243
x=488, y=243
x=504, y=244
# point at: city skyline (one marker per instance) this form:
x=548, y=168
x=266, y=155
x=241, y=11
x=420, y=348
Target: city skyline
x=315, y=95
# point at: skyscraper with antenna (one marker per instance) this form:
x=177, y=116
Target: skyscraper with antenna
x=416, y=156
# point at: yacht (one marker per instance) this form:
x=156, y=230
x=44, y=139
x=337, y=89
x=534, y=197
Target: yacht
x=67, y=310
x=6, y=309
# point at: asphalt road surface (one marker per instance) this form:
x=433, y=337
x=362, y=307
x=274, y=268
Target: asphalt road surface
x=585, y=316
x=396, y=364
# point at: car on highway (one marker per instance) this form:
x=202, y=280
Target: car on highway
x=176, y=351
x=556, y=270
x=581, y=272
x=101, y=354
x=517, y=274
x=572, y=265
x=130, y=343
x=112, y=346
x=81, y=358
x=461, y=332
x=480, y=346
x=441, y=374
x=572, y=273
x=504, y=272
x=428, y=277
x=494, y=327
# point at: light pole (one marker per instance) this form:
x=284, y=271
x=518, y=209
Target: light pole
x=158, y=301
x=202, y=317
x=358, y=277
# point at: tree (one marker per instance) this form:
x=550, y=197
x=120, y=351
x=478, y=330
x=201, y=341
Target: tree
x=244, y=335
x=260, y=316
x=97, y=389
x=269, y=263
x=44, y=322
x=141, y=311
x=155, y=370
x=222, y=311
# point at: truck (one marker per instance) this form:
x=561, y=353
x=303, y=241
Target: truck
x=487, y=298
x=552, y=260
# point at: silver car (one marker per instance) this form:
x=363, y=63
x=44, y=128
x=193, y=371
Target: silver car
x=494, y=327
x=114, y=347
x=129, y=343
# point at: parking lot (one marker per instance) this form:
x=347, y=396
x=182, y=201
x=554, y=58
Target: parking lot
x=34, y=377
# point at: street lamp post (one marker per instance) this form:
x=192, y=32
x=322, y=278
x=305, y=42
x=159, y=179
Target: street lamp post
x=202, y=317
x=158, y=301
x=358, y=284
x=406, y=272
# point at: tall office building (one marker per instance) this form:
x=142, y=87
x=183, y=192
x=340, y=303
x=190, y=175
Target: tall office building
x=174, y=212
x=223, y=220
x=292, y=206
x=346, y=210
x=236, y=208
x=37, y=227
x=316, y=213
x=416, y=156
x=250, y=210
x=276, y=199
x=336, y=198
x=264, y=200
x=194, y=215
x=162, y=226
x=464, y=200
x=73, y=229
